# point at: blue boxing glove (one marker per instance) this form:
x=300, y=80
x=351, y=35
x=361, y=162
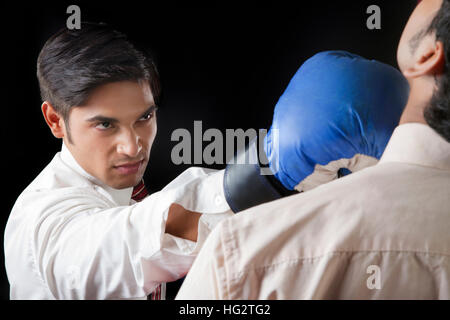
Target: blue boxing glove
x=335, y=117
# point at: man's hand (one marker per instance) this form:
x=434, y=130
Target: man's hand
x=182, y=223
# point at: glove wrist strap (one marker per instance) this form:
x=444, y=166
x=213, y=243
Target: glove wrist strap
x=245, y=186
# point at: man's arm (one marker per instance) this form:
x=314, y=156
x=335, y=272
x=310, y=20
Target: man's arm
x=94, y=251
x=90, y=251
x=182, y=223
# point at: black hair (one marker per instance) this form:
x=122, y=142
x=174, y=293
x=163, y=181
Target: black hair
x=437, y=114
x=72, y=63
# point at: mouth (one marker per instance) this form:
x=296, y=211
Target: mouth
x=129, y=167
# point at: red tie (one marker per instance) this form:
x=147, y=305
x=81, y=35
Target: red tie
x=139, y=193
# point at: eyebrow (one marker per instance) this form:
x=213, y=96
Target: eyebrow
x=100, y=118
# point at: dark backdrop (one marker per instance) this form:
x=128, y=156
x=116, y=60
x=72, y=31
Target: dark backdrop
x=225, y=64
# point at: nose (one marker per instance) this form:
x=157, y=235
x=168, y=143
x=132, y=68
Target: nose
x=129, y=143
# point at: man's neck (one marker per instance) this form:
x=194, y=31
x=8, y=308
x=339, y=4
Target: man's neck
x=412, y=114
x=419, y=98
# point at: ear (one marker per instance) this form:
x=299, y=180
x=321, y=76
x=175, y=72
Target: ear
x=53, y=119
x=429, y=59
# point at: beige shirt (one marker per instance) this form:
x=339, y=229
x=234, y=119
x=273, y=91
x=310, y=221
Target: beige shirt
x=69, y=236
x=380, y=233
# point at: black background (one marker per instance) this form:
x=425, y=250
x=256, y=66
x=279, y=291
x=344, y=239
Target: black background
x=225, y=64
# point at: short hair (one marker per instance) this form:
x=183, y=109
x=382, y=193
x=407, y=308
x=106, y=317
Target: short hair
x=437, y=114
x=72, y=63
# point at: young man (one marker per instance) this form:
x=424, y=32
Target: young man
x=382, y=232
x=80, y=230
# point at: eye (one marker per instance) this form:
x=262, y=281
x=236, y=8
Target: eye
x=104, y=125
x=147, y=116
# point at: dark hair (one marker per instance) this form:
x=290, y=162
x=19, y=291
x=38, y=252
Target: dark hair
x=437, y=114
x=73, y=63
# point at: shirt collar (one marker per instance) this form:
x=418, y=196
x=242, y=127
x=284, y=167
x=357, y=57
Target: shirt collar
x=120, y=196
x=417, y=143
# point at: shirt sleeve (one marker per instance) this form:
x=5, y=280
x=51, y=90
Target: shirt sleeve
x=84, y=248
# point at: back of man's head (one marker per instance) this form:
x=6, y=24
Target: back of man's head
x=437, y=114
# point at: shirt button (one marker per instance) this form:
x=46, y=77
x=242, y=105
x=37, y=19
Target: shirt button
x=218, y=200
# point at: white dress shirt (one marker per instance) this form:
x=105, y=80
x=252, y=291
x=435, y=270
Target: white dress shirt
x=69, y=236
x=380, y=233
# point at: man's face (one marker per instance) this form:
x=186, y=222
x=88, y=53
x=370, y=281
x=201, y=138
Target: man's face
x=113, y=132
x=418, y=23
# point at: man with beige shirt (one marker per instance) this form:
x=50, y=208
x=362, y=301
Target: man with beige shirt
x=380, y=233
